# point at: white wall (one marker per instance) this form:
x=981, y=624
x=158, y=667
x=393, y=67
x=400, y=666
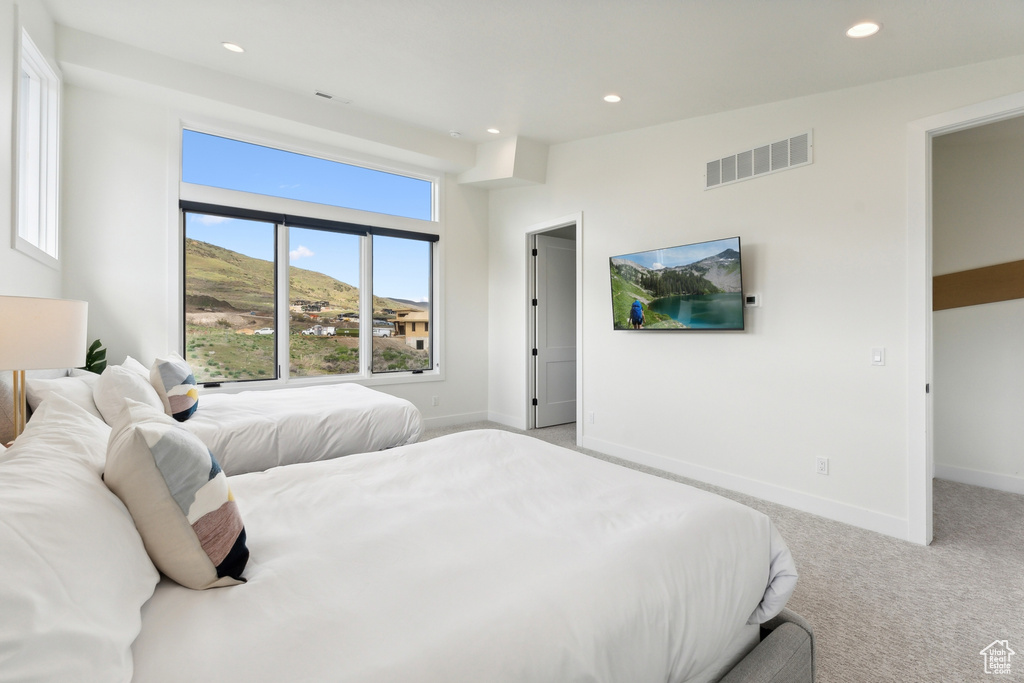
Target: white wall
x=120, y=206
x=20, y=274
x=824, y=246
x=979, y=367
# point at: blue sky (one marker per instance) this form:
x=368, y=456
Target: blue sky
x=681, y=256
x=401, y=267
x=235, y=165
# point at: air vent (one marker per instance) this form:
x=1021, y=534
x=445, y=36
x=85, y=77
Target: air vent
x=750, y=163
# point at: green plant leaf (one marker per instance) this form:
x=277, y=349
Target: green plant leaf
x=95, y=358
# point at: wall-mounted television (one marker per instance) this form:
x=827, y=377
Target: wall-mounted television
x=689, y=287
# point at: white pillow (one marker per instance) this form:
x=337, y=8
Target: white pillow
x=75, y=571
x=118, y=383
x=7, y=398
x=135, y=366
x=77, y=389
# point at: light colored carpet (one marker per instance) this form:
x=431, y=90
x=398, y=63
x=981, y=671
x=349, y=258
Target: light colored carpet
x=887, y=610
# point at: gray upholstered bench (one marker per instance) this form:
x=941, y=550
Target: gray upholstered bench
x=784, y=655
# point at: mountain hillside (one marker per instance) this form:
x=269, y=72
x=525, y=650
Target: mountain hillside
x=712, y=275
x=219, y=278
x=721, y=270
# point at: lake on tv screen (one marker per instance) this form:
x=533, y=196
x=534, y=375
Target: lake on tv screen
x=703, y=311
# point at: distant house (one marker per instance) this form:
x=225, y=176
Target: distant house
x=307, y=306
x=414, y=325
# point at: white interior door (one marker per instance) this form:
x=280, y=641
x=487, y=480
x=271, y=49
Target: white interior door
x=555, y=327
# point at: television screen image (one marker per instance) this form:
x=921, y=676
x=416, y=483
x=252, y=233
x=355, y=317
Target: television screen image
x=690, y=287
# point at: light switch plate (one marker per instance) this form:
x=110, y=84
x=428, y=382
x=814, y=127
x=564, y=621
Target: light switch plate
x=878, y=355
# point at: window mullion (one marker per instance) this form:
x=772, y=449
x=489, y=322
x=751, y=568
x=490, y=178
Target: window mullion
x=282, y=325
x=366, y=306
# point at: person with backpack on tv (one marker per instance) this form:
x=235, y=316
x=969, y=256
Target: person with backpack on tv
x=636, y=315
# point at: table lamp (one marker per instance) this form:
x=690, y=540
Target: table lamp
x=39, y=334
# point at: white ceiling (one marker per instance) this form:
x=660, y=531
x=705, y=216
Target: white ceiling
x=539, y=68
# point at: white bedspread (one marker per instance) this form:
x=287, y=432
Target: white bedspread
x=481, y=557
x=256, y=430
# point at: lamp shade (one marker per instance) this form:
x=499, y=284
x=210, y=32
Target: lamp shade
x=42, y=334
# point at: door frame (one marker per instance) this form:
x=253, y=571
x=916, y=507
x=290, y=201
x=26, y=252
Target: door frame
x=531, y=377
x=920, y=436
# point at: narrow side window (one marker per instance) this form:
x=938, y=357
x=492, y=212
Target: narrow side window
x=38, y=125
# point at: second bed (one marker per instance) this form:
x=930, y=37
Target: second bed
x=253, y=431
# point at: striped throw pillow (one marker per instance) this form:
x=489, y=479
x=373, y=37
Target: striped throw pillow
x=172, y=378
x=178, y=497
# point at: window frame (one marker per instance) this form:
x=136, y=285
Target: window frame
x=43, y=243
x=308, y=214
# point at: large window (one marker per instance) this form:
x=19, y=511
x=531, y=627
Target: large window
x=38, y=118
x=332, y=297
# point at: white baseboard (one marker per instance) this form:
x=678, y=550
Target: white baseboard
x=823, y=507
x=452, y=420
x=990, y=480
x=507, y=420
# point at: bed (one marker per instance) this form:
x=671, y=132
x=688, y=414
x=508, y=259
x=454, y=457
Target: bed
x=255, y=430
x=483, y=556
x=251, y=430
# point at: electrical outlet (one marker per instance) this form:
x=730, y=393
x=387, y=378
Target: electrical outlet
x=590, y=417
x=821, y=465
x=435, y=400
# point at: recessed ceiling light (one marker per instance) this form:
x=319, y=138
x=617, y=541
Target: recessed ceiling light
x=868, y=28
x=612, y=98
x=493, y=131
x=234, y=47
x=333, y=98
x=455, y=134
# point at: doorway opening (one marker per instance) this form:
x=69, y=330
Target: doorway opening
x=921, y=462
x=978, y=309
x=553, y=325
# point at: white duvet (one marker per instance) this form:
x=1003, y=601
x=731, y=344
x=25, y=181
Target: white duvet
x=256, y=430
x=481, y=557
